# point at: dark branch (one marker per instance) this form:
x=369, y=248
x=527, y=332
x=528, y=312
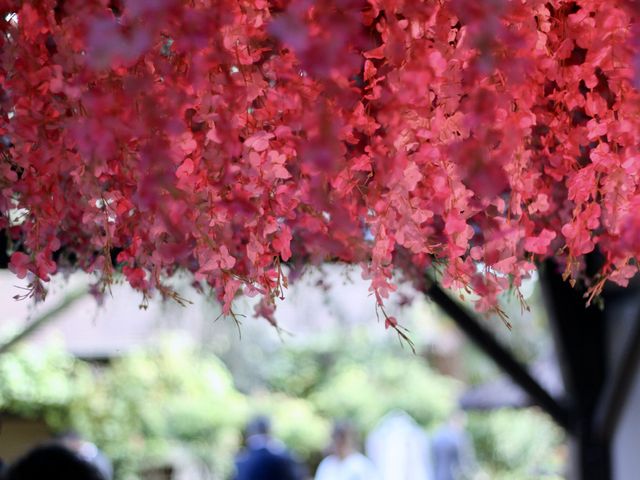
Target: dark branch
x=616, y=393
x=499, y=354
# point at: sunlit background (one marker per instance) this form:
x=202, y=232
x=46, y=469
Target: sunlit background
x=165, y=392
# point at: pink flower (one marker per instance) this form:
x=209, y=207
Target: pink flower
x=20, y=264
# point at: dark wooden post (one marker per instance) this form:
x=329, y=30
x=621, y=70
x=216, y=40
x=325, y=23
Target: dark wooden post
x=580, y=338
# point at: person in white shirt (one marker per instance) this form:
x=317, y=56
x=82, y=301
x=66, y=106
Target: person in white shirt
x=400, y=449
x=346, y=463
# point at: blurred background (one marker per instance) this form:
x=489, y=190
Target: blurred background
x=165, y=391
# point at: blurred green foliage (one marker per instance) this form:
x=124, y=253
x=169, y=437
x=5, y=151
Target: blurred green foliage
x=353, y=377
x=150, y=402
x=146, y=406
x=349, y=377
x=40, y=383
x=517, y=444
x=364, y=393
x=296, y=422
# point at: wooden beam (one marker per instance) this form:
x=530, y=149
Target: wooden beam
x=499, y=354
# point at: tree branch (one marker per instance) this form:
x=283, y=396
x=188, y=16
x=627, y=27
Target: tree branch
x=42, y=320
x=499, y=354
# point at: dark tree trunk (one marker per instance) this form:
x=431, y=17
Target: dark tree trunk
x=580, y=338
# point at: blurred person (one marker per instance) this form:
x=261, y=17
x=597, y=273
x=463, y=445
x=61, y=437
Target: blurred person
x=345, y=463
x=452, y=450
x=265, y=458
x=54, y=462
x=87, y=450
x=400, y=449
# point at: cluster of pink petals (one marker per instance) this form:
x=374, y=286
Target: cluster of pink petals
x=228, y=137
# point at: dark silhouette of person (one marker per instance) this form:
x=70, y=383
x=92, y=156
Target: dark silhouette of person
x=264, y=457
x=51, y=462
x=87, y=450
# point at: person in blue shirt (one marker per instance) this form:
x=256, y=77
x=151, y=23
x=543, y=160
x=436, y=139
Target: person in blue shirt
x=264, y=457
